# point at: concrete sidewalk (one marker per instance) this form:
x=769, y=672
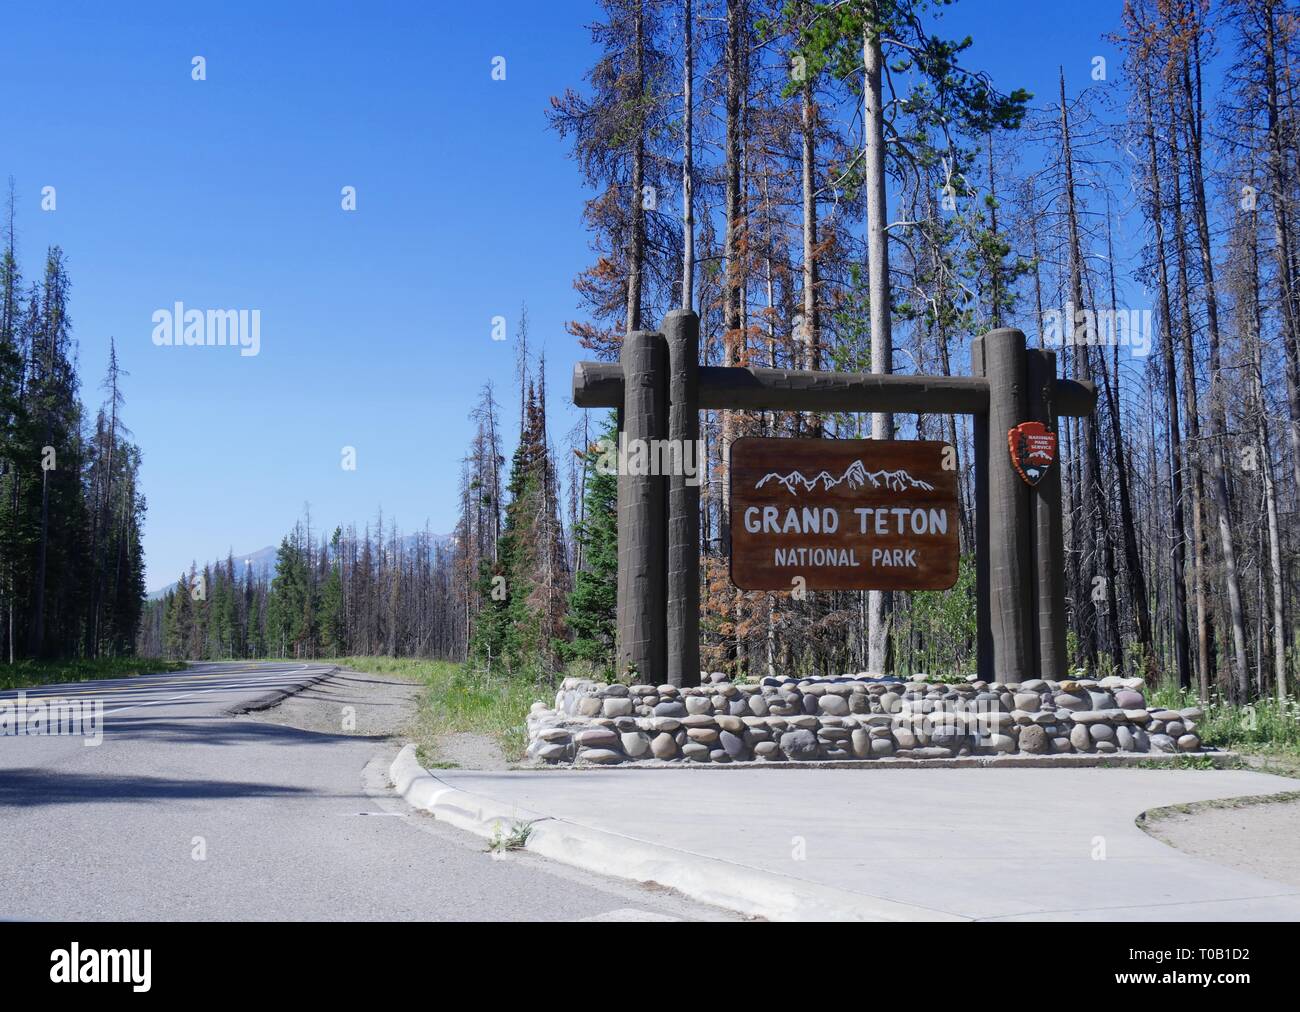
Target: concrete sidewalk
x=887, y=844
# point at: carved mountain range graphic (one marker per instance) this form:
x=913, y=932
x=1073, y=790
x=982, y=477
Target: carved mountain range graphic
x=855, y=476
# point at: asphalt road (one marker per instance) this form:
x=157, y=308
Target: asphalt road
x=187, y=810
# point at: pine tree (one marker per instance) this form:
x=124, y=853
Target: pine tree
x=13, y=423
x=332, y=620
x=179, y=620
x=522, y=589
x=620, y=138
x=592, y=602
x=291, y=605
x=53, y=445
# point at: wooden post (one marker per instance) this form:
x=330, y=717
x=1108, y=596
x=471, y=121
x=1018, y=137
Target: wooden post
x=682, y=329
x=983, y=622
x=642, y=497
x=1010, y=591
x=621, y=594
x=1049, y=534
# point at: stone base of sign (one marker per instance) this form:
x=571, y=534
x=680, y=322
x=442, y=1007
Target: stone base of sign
x=851, y=719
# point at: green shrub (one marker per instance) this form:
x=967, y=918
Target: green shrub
x=463, y=698
x=1265, y=725
x=23, y=674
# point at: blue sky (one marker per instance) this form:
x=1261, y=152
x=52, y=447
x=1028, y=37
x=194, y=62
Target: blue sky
x=225, y=193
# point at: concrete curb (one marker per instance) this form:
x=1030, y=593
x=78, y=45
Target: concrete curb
x=1146, y=820
x=709, y=880
x=1070, y=760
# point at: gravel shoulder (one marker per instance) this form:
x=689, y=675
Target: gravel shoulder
x=347, y=702
x=381, y=707
x=1255, y=835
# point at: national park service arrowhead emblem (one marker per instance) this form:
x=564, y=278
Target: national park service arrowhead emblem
x=1033, y=449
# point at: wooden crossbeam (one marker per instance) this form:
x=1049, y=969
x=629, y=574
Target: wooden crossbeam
x=600, y=385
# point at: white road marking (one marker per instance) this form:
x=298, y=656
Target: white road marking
x=268, y=679
x=201, y=692
x=391, y=815
x=109, y=695
x=137, y=685
x=114, y=696
x=630, y=914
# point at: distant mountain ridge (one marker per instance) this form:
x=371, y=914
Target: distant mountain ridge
x=855, y=476
x=262, y=562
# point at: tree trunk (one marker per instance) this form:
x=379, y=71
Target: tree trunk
x=995, y=261
x=1280, y=195
x=1264, y=452
x=1191, y=409
x=731, y=298
x=688, y=158
x=1178, y=564
x=808, y=164
x=636, y=240
x=1218, y=422
x=1092, y=506
x=1137, y=585
x=882, y=423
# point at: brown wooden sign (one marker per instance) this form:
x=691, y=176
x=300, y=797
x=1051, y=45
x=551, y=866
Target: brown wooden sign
x=843, y=514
